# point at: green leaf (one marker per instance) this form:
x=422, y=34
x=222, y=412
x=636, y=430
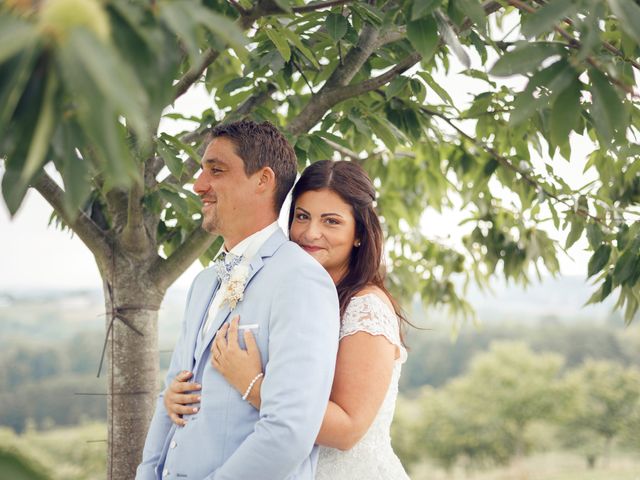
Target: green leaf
x=577, y=227
x=74, y=169
x=628, y=13
x=111, y=77
x=296, y=40
x=179, y=21
x=15, y=36
x=217, y=24
x=319, y=149
x=599, y=259
x=421, y=8
x=607, y=287
x=451, y=39
x=565, y=113
x=626, y=266
x=280, y=43
x=171, y=159
x=608, y=112
x=367, y=12
x=383, y=132
x=622, y=237
x=541, y=89
x=336, y=26
x=14, y=76
x=547, y=17
x=594, y=235
x=396, y=86
x=473, y=9
x=441, y=92
x=43, y=132
x=418, y=90
x=423, y=35
x=285, y=5
x=525, y=58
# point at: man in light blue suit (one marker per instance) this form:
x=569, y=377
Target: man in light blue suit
x=287, y=300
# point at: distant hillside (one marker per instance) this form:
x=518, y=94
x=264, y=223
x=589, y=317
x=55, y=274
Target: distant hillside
x=54, y=315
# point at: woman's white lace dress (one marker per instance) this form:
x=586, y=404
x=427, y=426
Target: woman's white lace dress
x=372, y=458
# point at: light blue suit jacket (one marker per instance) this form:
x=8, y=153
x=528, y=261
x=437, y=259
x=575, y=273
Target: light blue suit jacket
x=294, y=302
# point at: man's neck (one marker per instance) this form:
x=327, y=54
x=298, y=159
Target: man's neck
x=234, y=239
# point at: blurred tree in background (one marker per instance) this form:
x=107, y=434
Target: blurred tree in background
x=84, y=84
x=483, y=416
x=604, y=404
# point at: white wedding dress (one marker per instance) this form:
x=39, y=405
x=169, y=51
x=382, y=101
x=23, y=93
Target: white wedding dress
x=372, y=458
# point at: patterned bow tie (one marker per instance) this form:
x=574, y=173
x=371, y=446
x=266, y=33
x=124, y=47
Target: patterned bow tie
x=225, y=263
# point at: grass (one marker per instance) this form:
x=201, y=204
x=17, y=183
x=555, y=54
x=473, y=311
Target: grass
x=543, y=466
x=70, y=453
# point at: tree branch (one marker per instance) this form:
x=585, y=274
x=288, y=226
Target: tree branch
x=506, y=163
x=166, y=271
x=90, y=234
x=330, y=94
x=313, y=6
x=315, y=109
x=152, y=168
x=194, y=73
x=134, y=235
x=390, y=36
x=573, y=42
x=618, y=53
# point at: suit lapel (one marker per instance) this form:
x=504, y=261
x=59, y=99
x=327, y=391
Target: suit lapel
x=201, y=311
x=267, y=250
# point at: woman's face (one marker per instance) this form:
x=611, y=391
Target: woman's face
x=324, y=226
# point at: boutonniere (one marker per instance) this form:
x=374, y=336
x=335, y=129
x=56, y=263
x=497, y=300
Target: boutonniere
x=233, y=288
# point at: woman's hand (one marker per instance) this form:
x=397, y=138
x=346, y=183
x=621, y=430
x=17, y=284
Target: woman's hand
x=236, y=365
x=177, y=399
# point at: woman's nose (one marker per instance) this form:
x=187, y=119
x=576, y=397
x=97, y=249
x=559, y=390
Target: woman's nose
x=313, y=231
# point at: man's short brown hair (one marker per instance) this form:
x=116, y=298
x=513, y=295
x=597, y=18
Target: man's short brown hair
x=262, y=145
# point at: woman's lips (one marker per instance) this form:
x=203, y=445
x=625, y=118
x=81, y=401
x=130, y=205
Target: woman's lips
x=310, y=248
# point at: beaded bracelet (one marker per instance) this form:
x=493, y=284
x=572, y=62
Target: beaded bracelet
x=253, y=382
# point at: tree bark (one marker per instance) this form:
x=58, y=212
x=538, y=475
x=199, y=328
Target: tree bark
x=132, y=301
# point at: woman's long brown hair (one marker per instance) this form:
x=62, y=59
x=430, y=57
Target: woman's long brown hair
x=366, y=265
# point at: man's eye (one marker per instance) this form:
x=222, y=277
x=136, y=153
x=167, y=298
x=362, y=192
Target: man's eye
x=215, y=171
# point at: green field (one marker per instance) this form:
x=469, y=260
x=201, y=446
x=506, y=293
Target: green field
x=79, y=453
x=544, y=466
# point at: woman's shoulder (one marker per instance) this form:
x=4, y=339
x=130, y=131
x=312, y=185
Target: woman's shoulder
x=373, y=293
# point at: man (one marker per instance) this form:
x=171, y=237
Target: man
x=287, y=300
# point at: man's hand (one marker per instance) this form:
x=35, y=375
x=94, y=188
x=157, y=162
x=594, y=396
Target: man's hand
x=178, y=399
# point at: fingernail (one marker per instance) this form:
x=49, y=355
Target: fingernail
x=198, y=385
x=195, y=409
x=199, y=398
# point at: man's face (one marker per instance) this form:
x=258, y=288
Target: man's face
x=224, y=188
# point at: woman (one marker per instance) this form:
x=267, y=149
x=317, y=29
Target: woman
x=332, y=217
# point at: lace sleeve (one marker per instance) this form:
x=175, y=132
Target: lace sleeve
x=369, y=313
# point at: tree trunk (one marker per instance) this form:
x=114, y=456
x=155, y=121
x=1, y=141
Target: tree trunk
x=131, y=359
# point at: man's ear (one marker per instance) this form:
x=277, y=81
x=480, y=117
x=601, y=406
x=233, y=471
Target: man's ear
x=266, y=179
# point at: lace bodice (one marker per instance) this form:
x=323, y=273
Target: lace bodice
x=372, y=457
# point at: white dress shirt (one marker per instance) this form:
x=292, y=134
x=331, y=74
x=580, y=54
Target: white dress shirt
x=247, y=248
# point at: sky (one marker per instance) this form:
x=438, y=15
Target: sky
x=34, y=255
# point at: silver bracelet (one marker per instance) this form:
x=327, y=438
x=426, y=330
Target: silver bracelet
x=253, y=382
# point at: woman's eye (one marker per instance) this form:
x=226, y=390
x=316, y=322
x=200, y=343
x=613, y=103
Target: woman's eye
x=301, y=216
x=332, y=221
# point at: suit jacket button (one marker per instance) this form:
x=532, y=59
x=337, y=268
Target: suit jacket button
x=173, y=444
x=165, y=473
